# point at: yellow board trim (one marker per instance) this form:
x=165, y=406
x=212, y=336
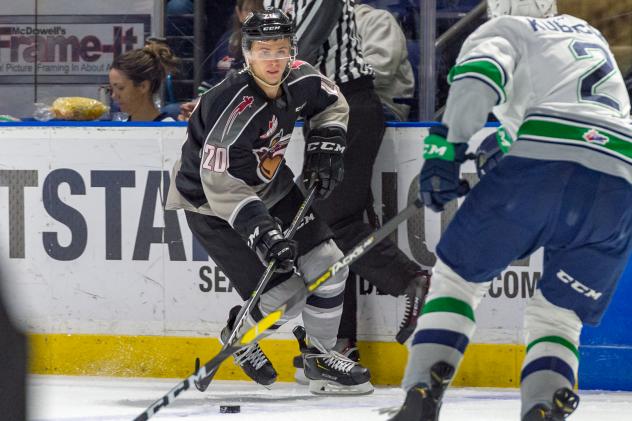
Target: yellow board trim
x=485, y=365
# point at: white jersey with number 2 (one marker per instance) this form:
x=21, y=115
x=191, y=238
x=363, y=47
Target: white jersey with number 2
x=557, y=90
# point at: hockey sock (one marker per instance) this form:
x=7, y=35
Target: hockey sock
x=323, y=309
x=552, y=359
x=446, y=325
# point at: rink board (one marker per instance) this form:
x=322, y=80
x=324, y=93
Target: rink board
x=109, y=283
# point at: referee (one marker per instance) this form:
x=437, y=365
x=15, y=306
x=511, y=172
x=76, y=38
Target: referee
x=327, y=38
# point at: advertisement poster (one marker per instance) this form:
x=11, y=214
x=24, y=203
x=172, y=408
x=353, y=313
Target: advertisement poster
x=55, y=48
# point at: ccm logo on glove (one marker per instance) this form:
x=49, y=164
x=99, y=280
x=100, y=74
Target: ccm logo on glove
x=326, y=146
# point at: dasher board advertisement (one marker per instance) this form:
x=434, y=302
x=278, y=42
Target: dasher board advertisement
x=91, y=250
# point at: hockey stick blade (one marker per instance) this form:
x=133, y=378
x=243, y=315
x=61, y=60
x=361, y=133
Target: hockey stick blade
x=202, y=384
x=256, y=331
x=185, y=384
x=210, y=367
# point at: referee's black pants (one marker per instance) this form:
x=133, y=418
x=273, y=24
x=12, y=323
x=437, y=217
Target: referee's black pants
x=385, y=266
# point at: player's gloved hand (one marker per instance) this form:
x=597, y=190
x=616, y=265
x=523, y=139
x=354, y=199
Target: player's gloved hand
x=324, y=149
x=268, y=241
x=439, y=180
x=491, y=151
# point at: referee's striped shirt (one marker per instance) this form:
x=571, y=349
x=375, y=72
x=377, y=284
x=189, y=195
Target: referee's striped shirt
x=340, y=56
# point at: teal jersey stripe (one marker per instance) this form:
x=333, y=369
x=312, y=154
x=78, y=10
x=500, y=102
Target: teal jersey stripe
x=557, y=340
x=480, y=67
x=599, y=138
x=449, y=305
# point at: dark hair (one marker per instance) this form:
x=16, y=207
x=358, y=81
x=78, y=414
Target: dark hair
x=152, y=63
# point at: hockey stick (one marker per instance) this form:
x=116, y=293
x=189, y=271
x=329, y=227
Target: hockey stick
x=203, y=383
x=255, y=332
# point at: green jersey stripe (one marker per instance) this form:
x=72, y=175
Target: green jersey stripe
x=598, y=138
x=480, y=67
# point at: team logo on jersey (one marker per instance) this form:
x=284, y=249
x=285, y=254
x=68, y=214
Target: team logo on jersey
x=245, y=103
x=593, y=136
x=270, y=156
x=272, y=126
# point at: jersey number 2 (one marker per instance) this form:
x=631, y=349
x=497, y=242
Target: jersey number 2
x=597, y=75
x=216, y=158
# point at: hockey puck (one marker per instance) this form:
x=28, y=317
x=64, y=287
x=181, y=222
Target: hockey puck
x=229, y=409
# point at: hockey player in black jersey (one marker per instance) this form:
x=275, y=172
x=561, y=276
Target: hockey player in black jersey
x=239, y=195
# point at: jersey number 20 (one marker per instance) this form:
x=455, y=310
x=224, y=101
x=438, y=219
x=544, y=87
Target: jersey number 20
x=216, y=158
x=596, y=76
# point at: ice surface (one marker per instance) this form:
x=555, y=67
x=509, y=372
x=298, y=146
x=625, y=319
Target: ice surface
x=65, y=398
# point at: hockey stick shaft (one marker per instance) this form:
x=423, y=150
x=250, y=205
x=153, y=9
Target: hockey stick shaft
x=202, y=385
x=255, y=332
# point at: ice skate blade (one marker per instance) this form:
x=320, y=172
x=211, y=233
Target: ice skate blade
x=326, y=387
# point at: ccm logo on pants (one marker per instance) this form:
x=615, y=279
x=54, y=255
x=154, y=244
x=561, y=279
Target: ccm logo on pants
x=578, y=286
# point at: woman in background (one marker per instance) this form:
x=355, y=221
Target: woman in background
x=136, y=76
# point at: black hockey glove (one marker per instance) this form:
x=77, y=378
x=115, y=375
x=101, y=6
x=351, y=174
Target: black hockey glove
x=491, y=151
x=324, y=149
x=439, y=180
x=267, y=240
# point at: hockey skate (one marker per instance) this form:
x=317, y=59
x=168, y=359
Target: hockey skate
x=415, y=296
x=344, y=346
x=565, y=402
x=251, y=358
x=423, y=403
x=329, y=372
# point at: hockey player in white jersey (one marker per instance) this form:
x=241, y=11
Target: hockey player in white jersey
x=565, y=185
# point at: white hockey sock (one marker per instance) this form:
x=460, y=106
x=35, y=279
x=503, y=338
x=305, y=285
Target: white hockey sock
x=552, y=359
x=446, y=325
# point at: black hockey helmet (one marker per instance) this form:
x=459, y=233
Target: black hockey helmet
x=271, y=23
